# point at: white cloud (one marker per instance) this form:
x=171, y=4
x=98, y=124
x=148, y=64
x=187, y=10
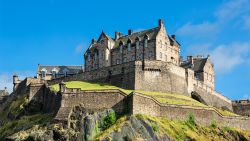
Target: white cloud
x=198, y=30
x=227, y=57
x=228, y=11
x=232, y=9
x=79, y=48
x=247, y=22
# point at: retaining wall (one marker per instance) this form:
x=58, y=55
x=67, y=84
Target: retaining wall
x=146, y=105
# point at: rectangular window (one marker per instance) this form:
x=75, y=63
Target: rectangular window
x=117, y=61
x=129, y=46
x=137, y=44
x=146, y=43
x=121, y=48
x=160, y=55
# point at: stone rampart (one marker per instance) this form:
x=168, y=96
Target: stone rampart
x=242, y=107
x=147, y=105
x=92, y=99
x=214, y=99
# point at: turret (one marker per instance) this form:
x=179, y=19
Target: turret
x=16, y=82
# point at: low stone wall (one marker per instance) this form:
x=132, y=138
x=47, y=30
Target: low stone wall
x=94, y=100
x=146, y=105
x=214, y=99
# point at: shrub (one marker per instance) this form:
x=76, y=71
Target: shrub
x=213, y=124
x=155, y=127
x=109, y=120
x=190, y=122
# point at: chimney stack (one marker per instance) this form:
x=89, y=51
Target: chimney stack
x=130, y=32
x=160, y=23
x=117, y=35
x=191, y=60
x=173, y=36
x=93, y=41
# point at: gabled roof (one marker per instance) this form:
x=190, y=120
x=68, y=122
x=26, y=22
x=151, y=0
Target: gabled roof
x=198, y=65
x=60, y=69
x=151, y=33
x=104, y=35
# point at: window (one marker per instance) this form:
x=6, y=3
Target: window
x=121, y=48
x=43, y=74
x=124, y=59
x=161, y=44
x=129, y=46
x=137, y=44
x=160, y=55
x=166, y=58
x=89, y=57
x=146, y=43
x=117, y=61
x=133, y=58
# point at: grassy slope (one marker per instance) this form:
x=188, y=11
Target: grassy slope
x=21, y=120
x=159, y=96
x=178, y=129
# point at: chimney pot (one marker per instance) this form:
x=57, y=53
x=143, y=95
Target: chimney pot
x=174, y=37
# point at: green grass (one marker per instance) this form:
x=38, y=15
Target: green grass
x=165, y=98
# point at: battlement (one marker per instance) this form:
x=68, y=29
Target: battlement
x=241, y=102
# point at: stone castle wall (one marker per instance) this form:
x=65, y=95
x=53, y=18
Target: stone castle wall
x=160, y=76
x=94, y=100
x=146, y=105
x=242, y=107
x=213, y=98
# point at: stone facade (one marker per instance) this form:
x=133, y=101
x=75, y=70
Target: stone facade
x=151, y=44
x=54, y=72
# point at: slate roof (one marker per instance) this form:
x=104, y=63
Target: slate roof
x=60, y=69
x=151, y=33
x=198, y=65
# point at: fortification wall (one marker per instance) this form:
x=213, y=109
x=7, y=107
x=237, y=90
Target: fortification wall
x=242, y=107
x=146, y=105
x=214, y=99
x=122, y=75
x=94, y=100
x=160, y=76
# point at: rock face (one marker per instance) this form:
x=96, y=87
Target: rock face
x=104, y=125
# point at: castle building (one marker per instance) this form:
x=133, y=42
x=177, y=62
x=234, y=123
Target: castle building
x=4, y=92
x=52, y=72
x=203, y=69
x=150, y=44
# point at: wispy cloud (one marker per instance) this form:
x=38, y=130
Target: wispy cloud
x=79, y=48
x=228, y=11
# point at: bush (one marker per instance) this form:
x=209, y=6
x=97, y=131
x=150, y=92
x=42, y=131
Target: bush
x=154, y=127
x=190, y=122
x=109, y=120
x=213, y=124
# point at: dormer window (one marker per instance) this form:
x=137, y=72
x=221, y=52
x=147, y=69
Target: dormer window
x=54, y=72
x=43, y=73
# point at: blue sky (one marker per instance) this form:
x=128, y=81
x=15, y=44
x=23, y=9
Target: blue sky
x=57, y=32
